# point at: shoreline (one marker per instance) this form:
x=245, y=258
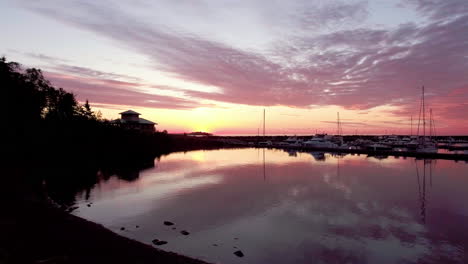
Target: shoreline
x=34, y=232
x=35, y=229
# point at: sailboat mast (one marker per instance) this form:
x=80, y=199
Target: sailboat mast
x=424, y=116
x=434, y=134
x=411, y=126
x=430, y=124
x=263, y=122
x=338, y=123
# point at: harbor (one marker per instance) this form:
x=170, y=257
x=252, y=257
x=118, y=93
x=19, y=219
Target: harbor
x=361, y=145
x=234, y=132
x=256, y=201
x=424, y=144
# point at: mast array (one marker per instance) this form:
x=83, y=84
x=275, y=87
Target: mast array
x=339, y=130
x=422, y=113
x=432, y=131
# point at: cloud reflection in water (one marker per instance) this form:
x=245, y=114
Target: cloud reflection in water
x=293, y=209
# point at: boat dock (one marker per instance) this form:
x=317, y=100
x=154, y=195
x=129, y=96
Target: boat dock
x=248, y=142
x=418, y=155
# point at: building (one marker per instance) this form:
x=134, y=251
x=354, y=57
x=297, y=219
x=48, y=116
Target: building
x=131, y=120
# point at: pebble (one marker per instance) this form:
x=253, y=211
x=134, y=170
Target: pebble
x=168, y=223
x=239, y=253
x=185, y=233
x=70, y=209
x=158, y=242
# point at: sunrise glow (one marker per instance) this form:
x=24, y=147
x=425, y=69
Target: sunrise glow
x=220, y=64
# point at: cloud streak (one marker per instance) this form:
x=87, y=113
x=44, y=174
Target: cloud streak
x=356, y=67
x=113, y=92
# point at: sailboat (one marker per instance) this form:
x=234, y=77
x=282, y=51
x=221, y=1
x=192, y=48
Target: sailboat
x=264, y=143
x=339, y=135
x=432, y=130
x=424, y=144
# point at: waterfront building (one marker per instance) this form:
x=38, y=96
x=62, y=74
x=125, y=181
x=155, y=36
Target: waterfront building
x=132, y=120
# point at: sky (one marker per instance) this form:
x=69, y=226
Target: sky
x=215, y=65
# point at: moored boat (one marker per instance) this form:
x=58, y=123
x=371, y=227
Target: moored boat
x=319, y=142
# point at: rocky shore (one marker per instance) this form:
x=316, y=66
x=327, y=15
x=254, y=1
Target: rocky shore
x=33, y=231
x=31, y=234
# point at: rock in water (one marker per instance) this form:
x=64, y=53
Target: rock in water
x=158, y=242
x=239, y=253
x=185, y=233
x=71, y=209
x=168, y=223
x=122, y=228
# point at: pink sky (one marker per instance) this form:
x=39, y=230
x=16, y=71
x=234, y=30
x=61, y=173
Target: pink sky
x=215, y=65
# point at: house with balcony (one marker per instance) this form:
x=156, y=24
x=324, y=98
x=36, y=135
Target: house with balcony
x=131, y=120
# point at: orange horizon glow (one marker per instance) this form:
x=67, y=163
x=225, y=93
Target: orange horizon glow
x=248, y=120
x=303, y=62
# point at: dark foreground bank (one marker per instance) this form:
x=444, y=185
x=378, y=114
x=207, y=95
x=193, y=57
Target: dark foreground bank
x=53, y=144
x=33, y=231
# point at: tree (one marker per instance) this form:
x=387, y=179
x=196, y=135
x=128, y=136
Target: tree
x=34, y=99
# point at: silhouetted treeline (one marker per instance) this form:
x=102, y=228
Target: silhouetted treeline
x=47, y=124
x=30, y=100
x=59, y=143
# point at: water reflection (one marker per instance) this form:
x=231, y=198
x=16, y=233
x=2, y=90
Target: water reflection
x=283, y=208
x=422, y=190
x=291, y=152
x=264, y=166
x=318, y=156
x=421, y=179
x=63, y=183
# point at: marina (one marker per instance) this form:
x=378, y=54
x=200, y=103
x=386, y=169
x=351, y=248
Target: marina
x=234, y=132
x=283, y=207
x=358, y=146
x=422, y=145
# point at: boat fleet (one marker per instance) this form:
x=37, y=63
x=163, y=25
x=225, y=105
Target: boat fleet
x=378, y=143
x=421, y=142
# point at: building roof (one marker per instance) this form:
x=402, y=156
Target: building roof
x=129, y=112
x=140, y=121
x=145, y=121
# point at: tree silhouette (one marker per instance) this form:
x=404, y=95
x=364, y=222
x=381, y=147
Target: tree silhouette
x=34, y=99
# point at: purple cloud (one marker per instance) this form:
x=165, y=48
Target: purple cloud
x=439, y=9
x=113, y=92
x=92, y=73
x=356, y=68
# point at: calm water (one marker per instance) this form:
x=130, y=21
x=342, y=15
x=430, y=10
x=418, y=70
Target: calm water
x=280, y=207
